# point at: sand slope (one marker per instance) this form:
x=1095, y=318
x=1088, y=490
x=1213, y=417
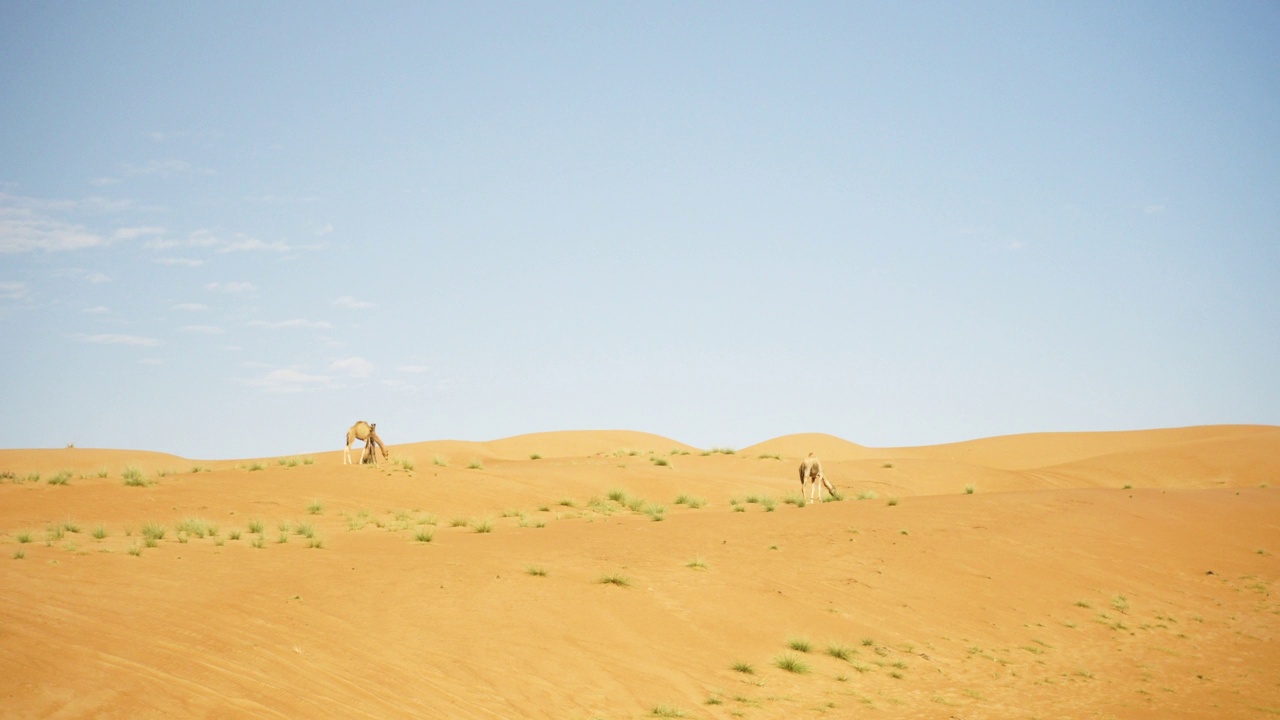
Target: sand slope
x=432, y=588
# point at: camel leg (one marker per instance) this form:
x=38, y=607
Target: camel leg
x=346, y=455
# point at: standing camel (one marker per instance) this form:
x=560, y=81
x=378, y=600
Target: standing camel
x=811, y=471
x=368, y=433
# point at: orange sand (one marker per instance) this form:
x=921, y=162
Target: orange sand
x=1089, y=575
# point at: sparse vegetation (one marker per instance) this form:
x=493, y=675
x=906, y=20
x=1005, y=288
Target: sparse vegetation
x=767, y=456
x=316, y=507
x=666, y=711
x=659, y=461
x=256, y=526
x=799, y=645
x=133, y=477
x=536, y=571
x=61, y=478
x=744, y=668
x=893, y=501
x=614, y=579
x=255, y=467
x=535, y=456
x=840, y=652
x=483, y=526
x=970, y=489
x=791, y=664
x=866, y=495
x=475, y=465
x=696, y=564
x=425, y=535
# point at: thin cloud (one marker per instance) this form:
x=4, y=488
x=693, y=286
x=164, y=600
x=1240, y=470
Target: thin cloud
x=191, y=307
x=22, y=231
x=178, y=262
x=231, y=287
x=133, y=233
x=413, y=369
x=203, y=329
x=356, y=367
x=109, y=339
x=236, y=242
x=291, y=380
x=294, y=323
x=13, y=290
x=346, y=301
x=167, y=168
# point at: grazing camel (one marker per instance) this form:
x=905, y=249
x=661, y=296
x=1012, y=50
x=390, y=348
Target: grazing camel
x=811, y=471
x=369, y=434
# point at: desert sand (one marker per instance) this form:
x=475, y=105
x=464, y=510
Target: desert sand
x=1068, y=575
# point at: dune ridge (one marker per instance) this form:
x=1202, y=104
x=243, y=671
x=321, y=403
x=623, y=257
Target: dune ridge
x=1049, y=574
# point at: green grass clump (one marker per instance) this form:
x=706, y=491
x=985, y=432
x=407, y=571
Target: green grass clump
x=305, y=529
x=135, y=550
x=153, y=531
x=425, y=535
x=794, y=499
x=100, y=532
x=744, y=667
x=535, y=456
x=475, y=465
x=696, y=564
x=197, y=527
x=316, y=507
x=791, y=664
x=767, y=456
x=406, y=463
x=656, y=513
x=970, y=489
x=618, y=495
x=62, y=478
x=660, y=461
x=799, y=645
x=483, y=526
x=840, y=652
x=893, y=501
x=614, y=579
x=536, y=571
x=19, y=554
x=256, y=526
x=24, y=537
x=866, y=495
x=256, y=467
x=666, y=711
x=133, y=477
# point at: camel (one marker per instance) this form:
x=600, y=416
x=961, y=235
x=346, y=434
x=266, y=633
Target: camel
x=369, y=434
x=811, y=471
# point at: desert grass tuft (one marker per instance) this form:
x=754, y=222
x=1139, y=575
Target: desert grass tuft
x=135, y=550
x=316, y=507
x=614, y=579
x=970, y=489
x=791, y=664
x=133, y=477
x=424, y=535
x=536, y=571
x=744, y=667
x=799, y=644
x=696, y=564
x=256, y=526
x=893, y=501
x=841, y=652
x=656, y=513
x=255, y=467
x=660, y=461
x=61, y=478
x=100, y=532
x=483, y=526
x=475, y=465
x=24, y=537
x=153, y=531
x=535, y=456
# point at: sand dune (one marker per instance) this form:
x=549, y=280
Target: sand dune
x=1087, y=575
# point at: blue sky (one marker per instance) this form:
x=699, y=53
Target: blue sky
x=231, y=229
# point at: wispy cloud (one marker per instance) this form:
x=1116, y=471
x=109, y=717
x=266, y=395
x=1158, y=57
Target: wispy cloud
x=291, y=380
x=178, y=262
x=166, y=168
x=133, y=233
x=108, y=339
x=295, y=323
x=23, y=230
x=236, y=242
x=91, y=276
x=346, y=301
x=203, y=329
x=231, y=287
x=418, y=369
x=355, y=367
x=13, y=290
x=191, y=307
